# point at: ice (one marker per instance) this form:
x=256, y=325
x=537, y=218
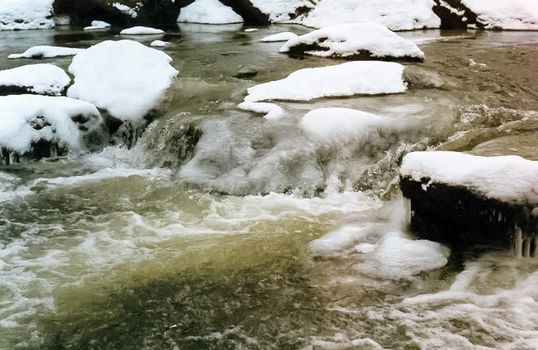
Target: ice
x=335, y=241
x=45, y=51
x=44, y=79
x=347, y=79
x=124, y=77
x=208, y=12
x=354, y=40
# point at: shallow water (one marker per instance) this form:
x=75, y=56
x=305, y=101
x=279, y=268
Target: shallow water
x=146, y=248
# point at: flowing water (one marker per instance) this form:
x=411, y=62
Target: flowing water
x=198, y=236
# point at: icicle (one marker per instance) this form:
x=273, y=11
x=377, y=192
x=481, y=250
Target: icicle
x=535, y=246
x=527, y=247
x=408, y=213
x=518, y=242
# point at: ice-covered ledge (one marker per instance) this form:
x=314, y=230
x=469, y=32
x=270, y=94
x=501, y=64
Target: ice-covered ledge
x=464, y=199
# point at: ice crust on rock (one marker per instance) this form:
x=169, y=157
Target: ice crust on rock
x=347, y=79
x=126, y=78
x=208, y=12
x=395, y=14
x=284, y=36
x=505, y=178
x=368, y=39
x=44, y=79
x=26, y=14
x=505, y=14
x=45, y=51
x=26, y=119
x=141, y=30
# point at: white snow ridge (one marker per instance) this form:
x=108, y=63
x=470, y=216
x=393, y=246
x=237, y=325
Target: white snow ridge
x=347, y=79
x=208, y=12
x=45, y=79
x=355, y=40
x=126, y=78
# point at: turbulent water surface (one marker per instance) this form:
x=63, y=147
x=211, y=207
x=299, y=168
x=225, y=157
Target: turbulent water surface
x=169, y=245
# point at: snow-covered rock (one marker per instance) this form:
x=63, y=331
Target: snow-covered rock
x=158, y=43
x=271, y=110
x=141, y=30
x=26, y=14
x=505, y=14
x=357, y=40
x=38, y=126
x=284, y=36
x=124, y=77
x=505, y=178
x=43, y=79
x=208, y=12
x=45, y=51
x=395, y=14
x=98, y=25
x=347, y=79
x=125, y=9
x=282, y=11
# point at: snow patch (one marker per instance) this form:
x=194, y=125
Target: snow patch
x=208, y=12
x=347, y=79
x=26, y=14
x=352, y=40
x=140, y=30
x=45, y=51
x=126, y=10
x=45, y=79
x=124, y=77
x=281, y=11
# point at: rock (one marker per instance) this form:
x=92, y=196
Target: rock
x=246, y=73
x=424, y=78
x=251, y=14
x=454, y=14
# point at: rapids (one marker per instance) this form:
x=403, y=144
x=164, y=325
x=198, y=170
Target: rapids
x=198, y=236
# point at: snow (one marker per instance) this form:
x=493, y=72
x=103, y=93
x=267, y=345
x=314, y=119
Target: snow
x=505, y=14
x=348, y=40
x=46, y=79
x=347, y=79
x=26, y=14
x=45, y=51
x=506, y=178
x=140, y=30
x=208, y=12
x=24, y=120
x=341, y=125
x=395, y=14
x=271, y=110
x=284, y=36
x=125, y=9
x=124, y=77
x=399, y=257
x=158, y=43
x=98, y=25
x=279, y=11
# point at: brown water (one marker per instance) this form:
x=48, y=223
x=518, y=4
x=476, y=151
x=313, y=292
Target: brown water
x=110, y=251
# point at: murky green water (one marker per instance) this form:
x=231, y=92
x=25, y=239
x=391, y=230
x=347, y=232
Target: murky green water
x=112, y=251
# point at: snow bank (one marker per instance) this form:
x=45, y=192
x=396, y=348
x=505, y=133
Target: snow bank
x=505, y=14
x=347, y=79
x=45, y=51
x=208, y=12
x=140, y=30
x=26, y=14
x=271, y=110
x=354, y=40
x=395, y=14
x=284, y=36
x=506, y=178
x=341, y=125
x=124, y=77
x=399, y=257
x=98, y=25
x=45, y=79
x=26, y=119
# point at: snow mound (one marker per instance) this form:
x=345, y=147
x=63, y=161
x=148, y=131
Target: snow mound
x=124, y=77
x=341, y=125
x=395, y=14
x=45, y=51
x=347, y=79
x=399, y=257
x=97, y=25
x=26, y=14
x=357, y=40
x=505, y=178
x=140, y=30
x=158, y=43
x=44, y=79
x=505, y=14
x=28, y=119
x=284, y=36
x=271, y=110
x=208, y=12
